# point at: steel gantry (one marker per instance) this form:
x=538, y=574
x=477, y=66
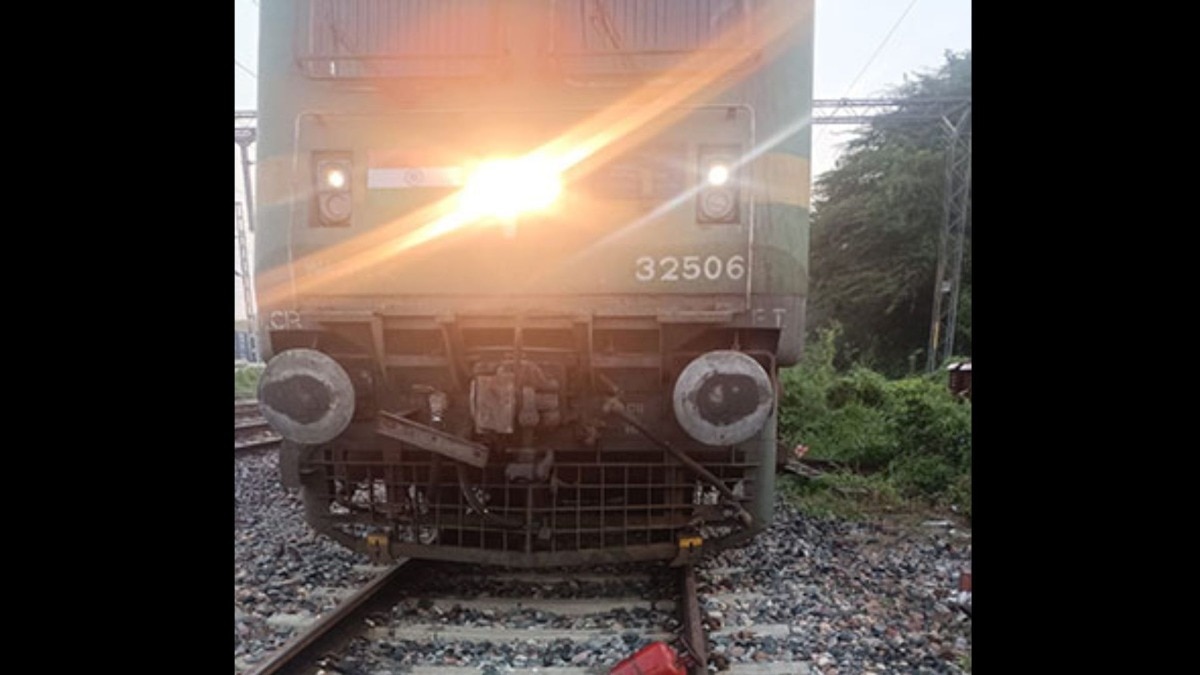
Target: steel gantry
x=244, y=134
x=954, y=117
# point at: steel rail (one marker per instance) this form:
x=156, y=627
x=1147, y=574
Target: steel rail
x=245, y=407
x=302, y=651
x=694, y=637
x=266, y=442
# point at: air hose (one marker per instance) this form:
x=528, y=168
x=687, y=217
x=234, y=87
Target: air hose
x=473, y=502
x=616, y=407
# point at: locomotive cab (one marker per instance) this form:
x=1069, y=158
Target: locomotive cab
x=527, y=270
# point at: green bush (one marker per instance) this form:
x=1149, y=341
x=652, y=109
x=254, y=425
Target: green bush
x=931, y=420
x=245, y=379
x=858, y=386
x=842, y=494
x=922, y=475
x=805, y=388
x=959, y=495
x=913, y=430
x=855, y=434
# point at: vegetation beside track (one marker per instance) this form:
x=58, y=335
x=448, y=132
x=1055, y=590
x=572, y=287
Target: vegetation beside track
x=245, y=379
x=901, y=445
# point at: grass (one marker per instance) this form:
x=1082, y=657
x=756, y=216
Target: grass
x=245, y=379
x=843, y=495
x=862, y=498
x=907, y=442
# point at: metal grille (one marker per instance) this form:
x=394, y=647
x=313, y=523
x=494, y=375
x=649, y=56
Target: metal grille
x=596, y=500
x=400, y=38
x=623, y=35
x=610, y=494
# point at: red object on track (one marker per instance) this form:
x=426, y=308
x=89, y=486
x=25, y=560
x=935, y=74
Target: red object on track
x=656, y=658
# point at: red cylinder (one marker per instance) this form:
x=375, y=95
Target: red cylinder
x=656, y=658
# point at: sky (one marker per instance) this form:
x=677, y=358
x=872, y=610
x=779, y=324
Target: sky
x=863, y=48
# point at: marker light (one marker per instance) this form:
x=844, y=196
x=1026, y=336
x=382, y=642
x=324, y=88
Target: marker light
x=506, y=188
x=335, y=178
x=718, y=174
x=717, y=205
x=334, y=194
x=717, y=200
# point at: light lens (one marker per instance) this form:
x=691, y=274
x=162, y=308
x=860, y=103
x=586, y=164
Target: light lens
x=718, y=174
x=717, y=200
x=717, y=205
x=506, y=188
x=332, y=173
x=335, y=178
x=336, y=207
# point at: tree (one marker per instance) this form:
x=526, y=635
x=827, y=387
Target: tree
x=877, y=219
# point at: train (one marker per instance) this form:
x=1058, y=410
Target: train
x=526, y=270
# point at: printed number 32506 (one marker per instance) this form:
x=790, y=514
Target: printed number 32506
x=689, y=268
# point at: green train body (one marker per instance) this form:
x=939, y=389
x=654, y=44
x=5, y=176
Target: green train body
x=522, y=266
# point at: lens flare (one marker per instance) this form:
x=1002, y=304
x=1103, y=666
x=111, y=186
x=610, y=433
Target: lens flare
x=506, y=188
x=335, y=178
x=637, y=115
x=718, y=174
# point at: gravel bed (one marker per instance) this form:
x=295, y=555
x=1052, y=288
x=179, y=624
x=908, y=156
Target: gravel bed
x=394, y=657
x=628, y=626
x=841, y=597
x=283, y=572
x=853, y=597
x=649, y=581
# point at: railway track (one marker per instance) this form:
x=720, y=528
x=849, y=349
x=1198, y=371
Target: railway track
x=420, y=605
x=250, y=429
x=808, y=596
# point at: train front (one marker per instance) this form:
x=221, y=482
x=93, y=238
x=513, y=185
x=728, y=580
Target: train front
x=527, y=269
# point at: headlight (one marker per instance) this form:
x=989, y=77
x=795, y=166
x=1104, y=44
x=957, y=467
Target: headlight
x=506, y=188
x=717, y=201
x=335, y=177
x=718, y=174
x=335, y=196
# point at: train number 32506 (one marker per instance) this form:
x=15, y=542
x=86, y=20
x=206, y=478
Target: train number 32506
x=689, y=268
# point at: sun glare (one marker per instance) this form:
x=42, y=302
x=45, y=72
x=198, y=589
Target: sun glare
x=506, y=188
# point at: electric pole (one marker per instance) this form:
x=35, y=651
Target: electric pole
x=954, y=117
x=244, y=135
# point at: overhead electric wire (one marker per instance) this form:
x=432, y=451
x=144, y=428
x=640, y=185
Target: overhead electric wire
x=248, y=71
x=879, y=48
x=871, y=60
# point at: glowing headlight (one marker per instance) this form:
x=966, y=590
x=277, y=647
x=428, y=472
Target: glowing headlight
x=334, y=196
x=506, y=188
x=335, y=178
x=718, y=174
x=717, y=200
